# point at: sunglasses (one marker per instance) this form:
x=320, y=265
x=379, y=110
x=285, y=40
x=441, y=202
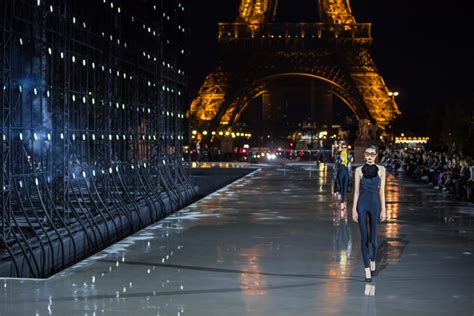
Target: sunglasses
x=370, y=154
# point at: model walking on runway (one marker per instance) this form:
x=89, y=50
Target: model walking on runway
x=342, y=174
x=369, y=199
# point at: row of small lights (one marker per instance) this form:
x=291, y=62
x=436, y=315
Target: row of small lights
x=230, y=35
x=110, y=70
x=94, y=173
x=411, y=139
x=84, y=137
x=221, y=133
x=270, y=156
x=117, y=104
x=37, y=91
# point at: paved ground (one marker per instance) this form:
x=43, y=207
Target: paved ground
x=272, y=243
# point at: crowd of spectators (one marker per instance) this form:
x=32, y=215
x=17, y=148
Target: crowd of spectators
x=449, y=172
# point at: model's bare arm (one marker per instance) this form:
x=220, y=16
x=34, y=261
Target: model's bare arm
x=355, y=216
x=383, y=211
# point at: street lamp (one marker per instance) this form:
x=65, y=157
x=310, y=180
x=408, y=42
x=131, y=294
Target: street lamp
x=392, y=94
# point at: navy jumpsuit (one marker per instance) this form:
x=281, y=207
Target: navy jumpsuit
x=368, y=206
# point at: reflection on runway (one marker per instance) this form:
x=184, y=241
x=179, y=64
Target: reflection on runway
x=392, y=198
x=335, y=292
x=369, y=290
x=253, y=282
x=368, y=307
x=342, y=240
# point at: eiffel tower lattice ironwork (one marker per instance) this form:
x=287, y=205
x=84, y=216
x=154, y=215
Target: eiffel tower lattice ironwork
x=254, y=49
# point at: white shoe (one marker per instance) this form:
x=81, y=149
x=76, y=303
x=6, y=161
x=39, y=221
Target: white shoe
x=368, y=275
x=372, y=268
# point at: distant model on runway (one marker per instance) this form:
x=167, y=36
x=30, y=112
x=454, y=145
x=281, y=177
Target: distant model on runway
x=342, y=174
x=369, y=199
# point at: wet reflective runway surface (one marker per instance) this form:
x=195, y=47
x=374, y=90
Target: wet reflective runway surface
x=273, y=243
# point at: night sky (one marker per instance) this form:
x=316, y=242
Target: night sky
x=422, y=49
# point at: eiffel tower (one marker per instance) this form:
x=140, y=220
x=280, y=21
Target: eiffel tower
x=256, y=48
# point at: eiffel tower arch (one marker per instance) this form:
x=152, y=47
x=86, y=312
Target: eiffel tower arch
x=255, y=49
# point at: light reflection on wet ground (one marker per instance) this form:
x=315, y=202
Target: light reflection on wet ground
x=272, y=243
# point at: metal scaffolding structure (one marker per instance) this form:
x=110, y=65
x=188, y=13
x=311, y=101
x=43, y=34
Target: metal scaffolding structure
x=92, y=118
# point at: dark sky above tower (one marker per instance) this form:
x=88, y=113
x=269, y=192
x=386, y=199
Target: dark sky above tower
x=422, y=48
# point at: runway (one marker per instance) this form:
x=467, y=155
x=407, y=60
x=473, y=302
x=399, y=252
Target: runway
x=273, y=243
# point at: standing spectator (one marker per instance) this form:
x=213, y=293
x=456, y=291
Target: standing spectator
x=198, y=151
x=470, y=184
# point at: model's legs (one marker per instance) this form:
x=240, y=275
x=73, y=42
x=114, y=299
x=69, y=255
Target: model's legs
x=364, y=235
x=344, y=182
x=338, y=181
x=373, y=222
x=337, y=185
